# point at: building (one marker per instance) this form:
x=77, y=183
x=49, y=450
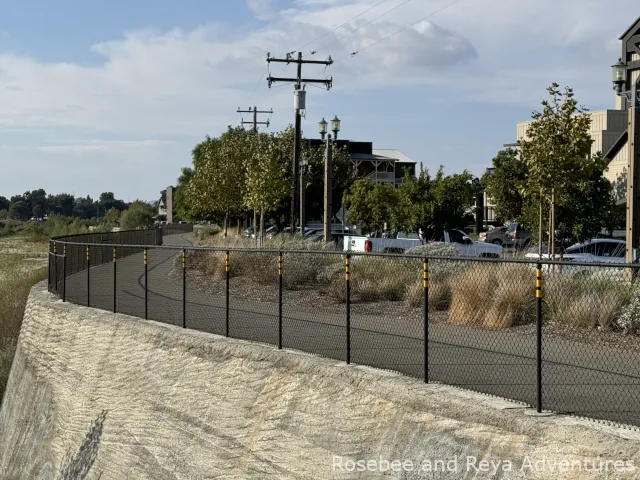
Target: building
x=609, y=127
x=165, y=205
x=380, y=165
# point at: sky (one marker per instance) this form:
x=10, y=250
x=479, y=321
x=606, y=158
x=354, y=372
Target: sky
x=113, y=96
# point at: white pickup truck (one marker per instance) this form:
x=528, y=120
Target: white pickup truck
x=465, y=246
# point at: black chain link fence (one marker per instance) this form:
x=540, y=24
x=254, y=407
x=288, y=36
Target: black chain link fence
x=563, y=337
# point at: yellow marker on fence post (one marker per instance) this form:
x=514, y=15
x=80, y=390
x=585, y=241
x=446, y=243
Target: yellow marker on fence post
x=425, y=314
x=539, y=338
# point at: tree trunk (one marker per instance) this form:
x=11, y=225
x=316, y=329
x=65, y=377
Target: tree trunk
x=254, y=230
x=261, y=226
x=226, y=222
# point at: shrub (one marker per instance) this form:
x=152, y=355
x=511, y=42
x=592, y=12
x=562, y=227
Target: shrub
x=435, y=249
x=493, y=296
x=629, y=319
x=586, y=301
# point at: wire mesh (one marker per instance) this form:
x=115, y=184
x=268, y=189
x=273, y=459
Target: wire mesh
x=205, y=290
x=253, y=296
x=129, y=285
x=101, y=277
x=314, y=309
x=482, y=327
x=164, y=285
x=482, y=315
x=590, y=346
x=387, y=320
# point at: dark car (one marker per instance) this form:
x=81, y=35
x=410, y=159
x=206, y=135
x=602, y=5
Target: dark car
x=495, y=236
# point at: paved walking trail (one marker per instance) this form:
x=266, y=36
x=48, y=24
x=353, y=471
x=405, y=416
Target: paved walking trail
x=599, y=382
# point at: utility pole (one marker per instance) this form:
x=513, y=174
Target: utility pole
x=255, y=121
x=298, y=81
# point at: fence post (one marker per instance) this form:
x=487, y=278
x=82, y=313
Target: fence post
x=227, y=268
x=425, y=286
x=539, y=338
x=114, y=279
x=55, y=269
x=88, y=276
x=146, y=284
x=64, y=273
x=184, y=288
x=347, y=275
x=280, y=300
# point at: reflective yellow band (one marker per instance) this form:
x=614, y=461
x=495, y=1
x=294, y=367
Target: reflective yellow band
x=347, y=276
x=538, y=293
x=114, y=254
x=425, y=283
x=539, y=282
x=538, y=272
x=425, y=275
x=347, y=261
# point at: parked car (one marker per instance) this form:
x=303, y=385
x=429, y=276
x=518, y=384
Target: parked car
x=495, y=235
x=517, y=236
x=463, y=243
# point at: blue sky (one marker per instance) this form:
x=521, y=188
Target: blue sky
x=112, y=96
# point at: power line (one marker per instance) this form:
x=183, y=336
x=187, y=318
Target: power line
x=368, y=23
x=342, y=25
x=401, y=30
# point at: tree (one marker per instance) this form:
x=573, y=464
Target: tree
x=38, y=211
x=180, y=203
x=505, y=185
x=218, y=184
x=370, y=204
x=453, y=197
x=84, y=207
x=561, y=168
x=414, y=210
x=19, y=210
x=4, y=203
x=266, y=182
x=62, y=204
x=111, y=219
x=138, y=215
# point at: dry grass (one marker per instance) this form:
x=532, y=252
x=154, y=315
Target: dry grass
x=16, y=279
x=585, y=301
x=493, y=295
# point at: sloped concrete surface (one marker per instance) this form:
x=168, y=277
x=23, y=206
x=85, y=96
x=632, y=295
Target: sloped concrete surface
x=97, y=395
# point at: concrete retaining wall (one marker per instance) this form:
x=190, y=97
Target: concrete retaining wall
x=96, y=395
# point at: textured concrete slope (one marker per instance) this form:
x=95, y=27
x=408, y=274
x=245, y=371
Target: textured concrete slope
x=96, y=395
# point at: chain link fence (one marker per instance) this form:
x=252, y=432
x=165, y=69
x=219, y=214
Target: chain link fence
x=563, y=337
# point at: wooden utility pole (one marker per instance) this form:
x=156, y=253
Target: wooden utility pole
x=633, y=186
x=255, y=121
x=298, y=81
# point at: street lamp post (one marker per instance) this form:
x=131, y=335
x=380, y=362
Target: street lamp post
x=328, y=170
x=304, y=167
x=620, y=76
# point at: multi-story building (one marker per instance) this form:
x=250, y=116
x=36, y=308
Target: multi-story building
x=380, y=165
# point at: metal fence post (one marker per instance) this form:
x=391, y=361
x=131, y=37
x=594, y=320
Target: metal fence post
x=347, y=275
x=146, y=284
x=88, y=276
x=55, y=269
x=184, y=288
x=280, y=300
x=114, y=279
x=425, y=286
x=64, y=273
x=539, y=338
x=227, y=268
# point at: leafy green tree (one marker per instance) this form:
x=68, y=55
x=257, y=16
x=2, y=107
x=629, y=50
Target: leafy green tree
x=19, y=210
x=266, y=182
x=414, y=210
x=180, y=203
x=4, y=203
x=111, y=219
x=218, y=184
x=370, y=204
x=453, y=197
x=557, y=153
x=83, y=207
x=138, y=215
x=506, y=184
x=38, y=211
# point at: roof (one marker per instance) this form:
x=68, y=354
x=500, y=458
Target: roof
x=635, y=24
x=395, y=154
x=617, y=145
x=371, y=156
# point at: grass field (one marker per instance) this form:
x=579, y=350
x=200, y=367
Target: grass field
x=22, y=264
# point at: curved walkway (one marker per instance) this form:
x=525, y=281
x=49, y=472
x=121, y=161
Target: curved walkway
x=600, y=382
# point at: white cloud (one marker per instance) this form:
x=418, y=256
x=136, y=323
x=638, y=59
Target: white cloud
x=150, y=84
